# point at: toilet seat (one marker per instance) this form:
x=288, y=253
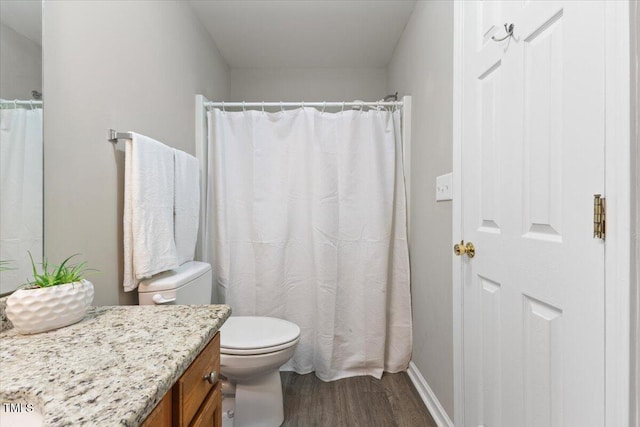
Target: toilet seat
x=257, y=351
x=253, y=335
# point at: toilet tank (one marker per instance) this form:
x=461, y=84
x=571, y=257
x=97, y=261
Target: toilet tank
x=188, y=284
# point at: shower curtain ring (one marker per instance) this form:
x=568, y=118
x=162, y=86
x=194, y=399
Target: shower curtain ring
x=343, y=106
x=31, y=103
x=244, y=108
x=223, y=109
x=281, y=107
x=263, y=106
x=324, y=105
x=15, y=104
x=303, y=105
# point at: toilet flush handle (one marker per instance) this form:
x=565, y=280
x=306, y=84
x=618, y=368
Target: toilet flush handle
x=159, y=299
x=212, y=377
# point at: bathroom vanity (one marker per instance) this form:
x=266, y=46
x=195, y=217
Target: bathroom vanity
x=124, y=365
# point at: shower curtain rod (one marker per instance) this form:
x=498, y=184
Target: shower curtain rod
x=211, y=104
x=20, y=102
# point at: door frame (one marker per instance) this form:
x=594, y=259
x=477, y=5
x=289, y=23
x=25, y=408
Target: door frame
x=617, y=194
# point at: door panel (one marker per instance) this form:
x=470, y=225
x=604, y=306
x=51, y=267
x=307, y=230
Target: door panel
x=543, y=131
x=542, y=364
x=489, y=85
x=489, y=13
x=491, y=351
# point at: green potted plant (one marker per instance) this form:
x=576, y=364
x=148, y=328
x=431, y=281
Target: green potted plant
x=57, y=297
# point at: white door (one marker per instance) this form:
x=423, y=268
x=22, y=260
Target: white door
x=532, y=159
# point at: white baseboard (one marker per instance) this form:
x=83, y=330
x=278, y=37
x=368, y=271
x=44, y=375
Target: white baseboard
x=428, y=397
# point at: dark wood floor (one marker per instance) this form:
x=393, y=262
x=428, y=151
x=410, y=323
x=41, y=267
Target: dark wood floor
x=358, y=401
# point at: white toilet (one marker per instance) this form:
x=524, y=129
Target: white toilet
x=252, y=349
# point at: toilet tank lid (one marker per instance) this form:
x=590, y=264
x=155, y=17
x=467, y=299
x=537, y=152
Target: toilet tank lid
x=175, y=278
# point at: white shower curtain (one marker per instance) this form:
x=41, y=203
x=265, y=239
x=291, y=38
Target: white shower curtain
x=307, y=222
x=20, y=193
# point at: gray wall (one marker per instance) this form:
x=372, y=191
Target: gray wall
x=422, y=66
x=20, y=65
x=307, y=84
x=124, y=65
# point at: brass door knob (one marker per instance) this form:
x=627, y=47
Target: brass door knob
x=461, y=249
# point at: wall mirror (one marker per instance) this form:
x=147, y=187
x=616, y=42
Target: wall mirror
x=21, y=142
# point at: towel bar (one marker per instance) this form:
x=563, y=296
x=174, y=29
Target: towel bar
x=114, y=136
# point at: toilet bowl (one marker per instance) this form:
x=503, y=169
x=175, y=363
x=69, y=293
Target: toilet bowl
x=252, y=349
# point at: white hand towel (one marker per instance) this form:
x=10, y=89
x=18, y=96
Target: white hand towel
x=187, y=205
x=149, y=246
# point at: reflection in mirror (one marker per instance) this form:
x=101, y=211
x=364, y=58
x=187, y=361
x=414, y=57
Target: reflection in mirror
x=21, y=188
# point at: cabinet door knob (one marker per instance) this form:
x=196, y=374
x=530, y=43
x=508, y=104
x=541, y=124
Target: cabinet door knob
x=212, y=377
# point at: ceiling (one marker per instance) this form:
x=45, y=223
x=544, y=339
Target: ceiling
x=25, y=17
x=305, y=33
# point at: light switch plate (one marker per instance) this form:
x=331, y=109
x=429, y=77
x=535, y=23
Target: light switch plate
x=444, y=188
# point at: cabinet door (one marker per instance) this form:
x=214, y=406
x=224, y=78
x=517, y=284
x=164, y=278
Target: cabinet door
x=161, y=415
x=192, y=389
x=210, y=413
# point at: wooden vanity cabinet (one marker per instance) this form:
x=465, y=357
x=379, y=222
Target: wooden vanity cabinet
x=193, y=401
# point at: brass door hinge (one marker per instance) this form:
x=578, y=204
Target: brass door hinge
x=599, y=215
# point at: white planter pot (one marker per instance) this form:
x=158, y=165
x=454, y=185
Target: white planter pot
x=42, y=309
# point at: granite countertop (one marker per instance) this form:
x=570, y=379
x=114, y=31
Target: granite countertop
x=110, y=369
